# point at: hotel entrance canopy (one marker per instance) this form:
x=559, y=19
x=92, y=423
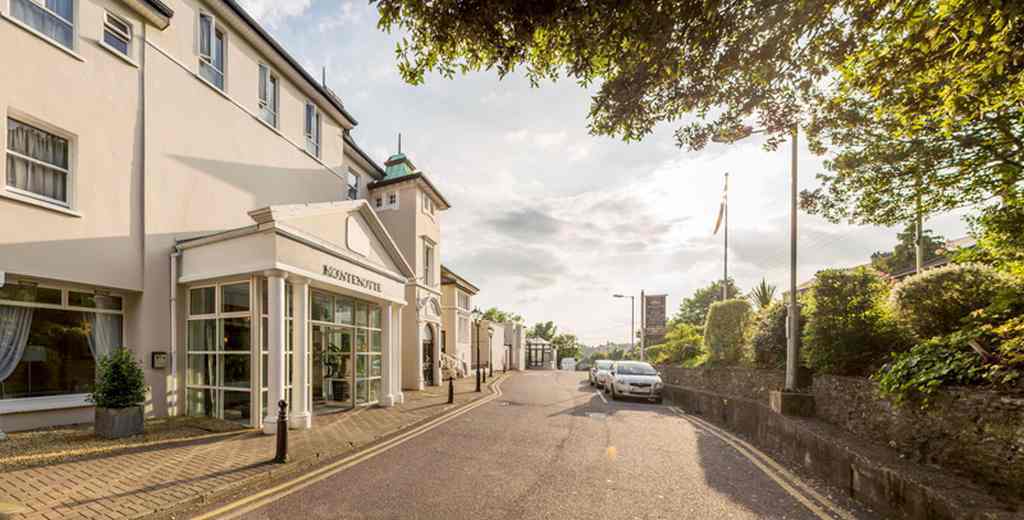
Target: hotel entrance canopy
x=320, y=282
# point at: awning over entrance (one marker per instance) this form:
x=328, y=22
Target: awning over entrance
x=312, y=274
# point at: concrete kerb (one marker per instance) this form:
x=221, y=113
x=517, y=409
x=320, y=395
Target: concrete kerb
x=294, y=468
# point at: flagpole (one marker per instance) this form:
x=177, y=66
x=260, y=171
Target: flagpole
x=725, y=264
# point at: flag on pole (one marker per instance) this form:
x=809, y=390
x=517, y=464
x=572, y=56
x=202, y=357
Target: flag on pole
x=721, y=207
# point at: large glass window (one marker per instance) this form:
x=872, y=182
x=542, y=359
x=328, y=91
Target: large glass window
x=353, y=185
x=49, y=343
x=347, y=349
x=54, y=19
x=312, y=129
x=38, y=162
x=219, y=344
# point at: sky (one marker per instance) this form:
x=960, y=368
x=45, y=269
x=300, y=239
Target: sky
x=550, y=221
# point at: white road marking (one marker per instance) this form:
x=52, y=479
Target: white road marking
x=776, y=472
x=258, y=500
x=601, y=395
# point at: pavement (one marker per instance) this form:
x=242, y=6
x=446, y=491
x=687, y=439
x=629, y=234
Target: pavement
x=550, y=447
x=161, y=480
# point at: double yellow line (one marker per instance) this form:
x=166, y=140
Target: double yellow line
x=821, y=506
x=258, y=500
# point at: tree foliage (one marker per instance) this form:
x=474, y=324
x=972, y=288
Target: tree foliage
x=938, y=301
x=850, y=329
x=499, y=316
x=682, y=342
x=544, y=330
x=768, y=340
x=762, y=294
x=694, y=310
x=566, y=345
x=999, y=232
x=903, y=257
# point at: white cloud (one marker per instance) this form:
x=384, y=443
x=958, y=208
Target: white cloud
x=347, y=15
x=272, y=12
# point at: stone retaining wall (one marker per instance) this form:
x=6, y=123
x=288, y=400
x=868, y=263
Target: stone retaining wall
x=973, y=433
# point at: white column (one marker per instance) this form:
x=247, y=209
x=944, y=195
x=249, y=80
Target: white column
x=275, y=345
x=396, y=355
x=387, y=397
x=301, y=413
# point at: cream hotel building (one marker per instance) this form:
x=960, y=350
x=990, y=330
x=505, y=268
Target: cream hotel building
x=176, y=184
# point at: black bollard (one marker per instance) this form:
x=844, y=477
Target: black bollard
x=282, y=433
x=451, y=390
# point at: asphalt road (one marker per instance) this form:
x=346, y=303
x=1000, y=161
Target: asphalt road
x=551, y=448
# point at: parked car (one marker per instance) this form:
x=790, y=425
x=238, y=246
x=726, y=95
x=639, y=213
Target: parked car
x=568, y=363
x=599, y=374
x=634, y=379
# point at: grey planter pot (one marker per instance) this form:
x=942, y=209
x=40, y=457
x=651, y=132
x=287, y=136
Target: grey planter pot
x=115, y=423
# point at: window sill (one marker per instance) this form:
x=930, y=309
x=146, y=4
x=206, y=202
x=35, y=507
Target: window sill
x=8, y=193
x=42, y=36
x=38, y=404
x=118, y=53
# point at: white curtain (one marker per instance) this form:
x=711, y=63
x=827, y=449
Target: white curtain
x=15, y=323
x=34, y=177
x=105, y=333
x=57, y=23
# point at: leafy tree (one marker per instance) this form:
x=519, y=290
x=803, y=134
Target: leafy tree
x=768, y=340
x=1000, y=240
x=120, y=381
x=762, y=294
x=904, y=256
x=499, y=316
x=694, y=310
x=545, y=330
x=566, y=345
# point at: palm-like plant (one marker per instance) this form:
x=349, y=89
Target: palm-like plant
x=762, y=294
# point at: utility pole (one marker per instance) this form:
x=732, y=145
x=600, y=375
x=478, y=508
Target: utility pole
x=792, y=345
x=725, y=263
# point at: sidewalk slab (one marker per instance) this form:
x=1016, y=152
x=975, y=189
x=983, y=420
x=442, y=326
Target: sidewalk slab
x=141, y=482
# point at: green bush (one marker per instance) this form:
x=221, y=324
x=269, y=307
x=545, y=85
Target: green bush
x=120, y=382
x=726, y=331
x=937, y=302
x=682, y=342
x=768, y=340
x=849, y=329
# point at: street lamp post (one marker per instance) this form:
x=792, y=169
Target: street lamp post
x=632, y=319
x=476, y=322
x=792, y=331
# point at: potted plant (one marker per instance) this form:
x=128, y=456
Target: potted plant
x=119, y=394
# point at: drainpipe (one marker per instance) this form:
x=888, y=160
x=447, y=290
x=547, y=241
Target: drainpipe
x=172, y=408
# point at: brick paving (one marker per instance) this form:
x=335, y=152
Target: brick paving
x=136, y=483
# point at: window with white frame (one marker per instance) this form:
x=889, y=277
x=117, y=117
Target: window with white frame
x=428, y=204
x=378, y=202
x=464, y=335
x=117, y=33
x=428, y=263
x=38, y=163
x=312, y=129
x=353, y=185
x=211, y=50
x=393, y=199
x=51, y=338
x=54, y=19
x=463, y=301
x=219, y=345
x=268, y=94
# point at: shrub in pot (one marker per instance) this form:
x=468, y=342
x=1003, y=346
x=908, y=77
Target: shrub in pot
x=726, y=331
x=850, y=329
x=119, y=394
x=936, y=302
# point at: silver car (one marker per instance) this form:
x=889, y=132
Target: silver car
x=634, y=379
x=599, y=372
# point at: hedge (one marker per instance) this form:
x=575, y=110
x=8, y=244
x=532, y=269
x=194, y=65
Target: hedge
x=726, y=331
